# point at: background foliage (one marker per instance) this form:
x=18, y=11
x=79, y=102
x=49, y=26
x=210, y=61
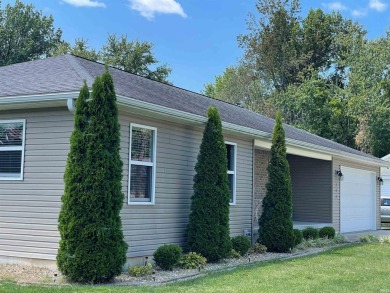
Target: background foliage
x=319, y=69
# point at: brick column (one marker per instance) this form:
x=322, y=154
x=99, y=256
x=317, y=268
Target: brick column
x=261, y=178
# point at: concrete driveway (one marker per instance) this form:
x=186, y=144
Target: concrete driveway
x=355, y=236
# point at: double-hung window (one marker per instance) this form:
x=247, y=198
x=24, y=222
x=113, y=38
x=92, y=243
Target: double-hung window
x=142, y=164
x=12, y=137
x=231, y=150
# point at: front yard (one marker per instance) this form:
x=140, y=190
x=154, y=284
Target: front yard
x=359, y=268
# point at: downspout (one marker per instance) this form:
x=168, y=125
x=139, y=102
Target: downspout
x=71, y=105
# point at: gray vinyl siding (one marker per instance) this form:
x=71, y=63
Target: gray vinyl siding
x=29, y=208
x=311, y=189
x=337, y=162
x=146, y=227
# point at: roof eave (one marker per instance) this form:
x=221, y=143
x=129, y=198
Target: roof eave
x=131, y=102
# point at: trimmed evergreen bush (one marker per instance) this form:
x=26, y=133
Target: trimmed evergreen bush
x=298, y=237
x=92, y=247
x=208, y=227
x=327, y=232
x=310, y=233
x=167, y=256
x=275, y=224
x=241, y=244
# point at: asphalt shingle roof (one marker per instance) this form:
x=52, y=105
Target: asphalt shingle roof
x=66, y=73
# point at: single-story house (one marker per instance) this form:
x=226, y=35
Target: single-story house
x=385, y=174
x=332, y=184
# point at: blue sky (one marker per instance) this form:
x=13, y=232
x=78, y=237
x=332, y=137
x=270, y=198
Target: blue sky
x=197, y=39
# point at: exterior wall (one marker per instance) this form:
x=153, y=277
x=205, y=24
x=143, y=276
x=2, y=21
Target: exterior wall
x=337, y=162
x=29, y=208
x=146, y=227
x=311, y=189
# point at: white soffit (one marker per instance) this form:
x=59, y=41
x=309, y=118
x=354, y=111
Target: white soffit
x=293, y=150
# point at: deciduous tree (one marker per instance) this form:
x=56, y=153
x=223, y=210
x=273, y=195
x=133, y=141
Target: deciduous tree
x=25, y=33
x=134, y=57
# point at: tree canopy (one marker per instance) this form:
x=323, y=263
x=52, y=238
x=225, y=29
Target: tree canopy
x=25, y=33
x=319, y=69
x=132, y=56
x=79, y=48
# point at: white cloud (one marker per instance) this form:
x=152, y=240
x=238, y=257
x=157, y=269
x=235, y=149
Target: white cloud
x=338, y=6
x=85, y=3
x=148, y=8
x=377, y=5
x=359, y=12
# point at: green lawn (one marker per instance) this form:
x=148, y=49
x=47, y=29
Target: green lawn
x=361, y=268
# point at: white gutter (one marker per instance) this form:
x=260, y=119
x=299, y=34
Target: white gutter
x=193, y=118
x=38, y=98
x=242, y=129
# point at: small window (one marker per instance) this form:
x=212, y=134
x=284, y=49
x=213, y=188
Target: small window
x=142, y=165
x=12, y=137
x=385, y=202
x=231, y=150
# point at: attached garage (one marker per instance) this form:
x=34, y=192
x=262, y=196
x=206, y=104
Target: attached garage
x=357, y=200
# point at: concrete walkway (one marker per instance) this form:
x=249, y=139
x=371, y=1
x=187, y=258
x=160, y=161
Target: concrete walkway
x=355, y=236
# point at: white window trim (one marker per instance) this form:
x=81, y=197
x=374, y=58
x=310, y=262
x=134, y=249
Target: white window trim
x=152, y=164
x=233, y=172
x=16, y=148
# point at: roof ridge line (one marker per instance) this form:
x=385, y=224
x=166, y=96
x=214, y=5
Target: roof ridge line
x=163, y=83
x=80, y=70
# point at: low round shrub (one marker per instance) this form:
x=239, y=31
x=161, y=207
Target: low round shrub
x=259, y=248
x=327, y=232
x=139, y=271
x=310, y=233
x=234, y=254
x=298, y=237
x=369, y=239
x=192, y=260
x=241, y=244
x=167, y=256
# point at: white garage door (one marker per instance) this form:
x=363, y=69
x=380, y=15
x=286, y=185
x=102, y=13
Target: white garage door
x=357, y=200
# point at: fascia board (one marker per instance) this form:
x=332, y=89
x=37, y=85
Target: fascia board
x=194, y=118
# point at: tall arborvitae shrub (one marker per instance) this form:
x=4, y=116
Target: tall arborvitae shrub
x=75, y=191
x=208, y=227
x=95, y=250
x=275, y=222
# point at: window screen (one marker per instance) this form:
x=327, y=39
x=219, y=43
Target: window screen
x=142, y=164
x=11, y=149
x=231, y=166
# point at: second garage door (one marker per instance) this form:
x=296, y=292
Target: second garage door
x=357, y=200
